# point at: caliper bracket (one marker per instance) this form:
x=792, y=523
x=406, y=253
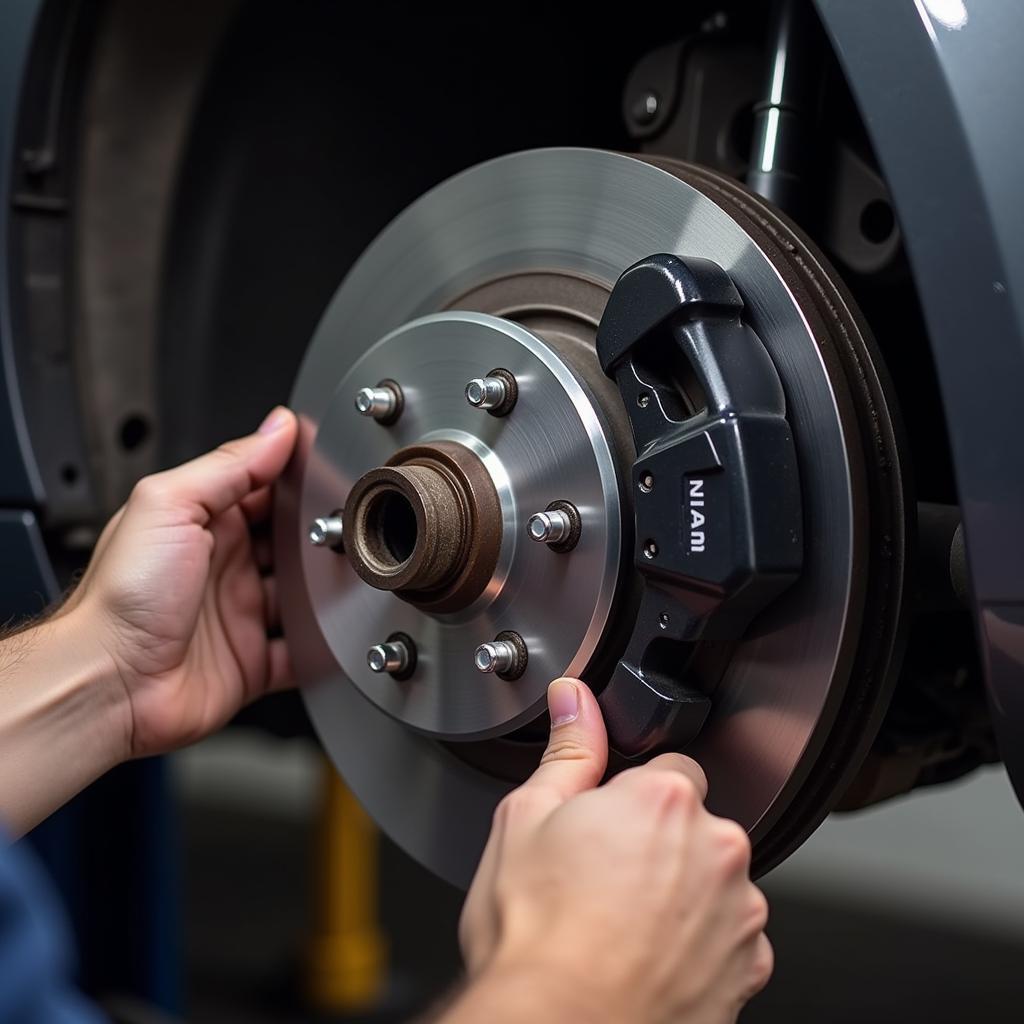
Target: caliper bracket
x=718, y=531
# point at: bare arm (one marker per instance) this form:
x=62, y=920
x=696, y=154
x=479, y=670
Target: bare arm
x=63, y=720
x=169, y=633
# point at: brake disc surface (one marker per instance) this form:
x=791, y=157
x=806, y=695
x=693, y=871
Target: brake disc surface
x=786, y=724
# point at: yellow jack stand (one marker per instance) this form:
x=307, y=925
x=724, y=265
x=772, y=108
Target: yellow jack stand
x=348, y=958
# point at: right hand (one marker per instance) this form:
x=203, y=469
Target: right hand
x=630, y=902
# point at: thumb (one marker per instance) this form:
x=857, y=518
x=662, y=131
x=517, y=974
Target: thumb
x=221, y=478
x=577, y=750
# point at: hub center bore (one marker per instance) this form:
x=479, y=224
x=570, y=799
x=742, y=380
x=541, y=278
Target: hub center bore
x=427, y=525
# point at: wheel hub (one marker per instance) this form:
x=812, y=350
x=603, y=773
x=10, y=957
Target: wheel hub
x=434, y=507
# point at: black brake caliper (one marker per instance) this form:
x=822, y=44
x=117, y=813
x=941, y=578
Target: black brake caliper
x=716, y=495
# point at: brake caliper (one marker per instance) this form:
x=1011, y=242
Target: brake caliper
x=718, y=531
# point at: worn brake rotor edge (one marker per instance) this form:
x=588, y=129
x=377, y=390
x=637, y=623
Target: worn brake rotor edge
x=877, y=657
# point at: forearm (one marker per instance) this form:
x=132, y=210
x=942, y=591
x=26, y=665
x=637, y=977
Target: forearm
x=63, y=721
x=514, y=994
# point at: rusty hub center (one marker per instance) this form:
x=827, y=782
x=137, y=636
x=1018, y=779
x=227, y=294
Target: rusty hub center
x=426, y=525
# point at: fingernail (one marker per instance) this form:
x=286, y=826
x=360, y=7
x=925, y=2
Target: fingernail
x=276, y=419
x=563, y=702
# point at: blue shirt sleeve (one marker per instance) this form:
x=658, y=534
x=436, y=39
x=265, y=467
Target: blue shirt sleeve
x=35, y=948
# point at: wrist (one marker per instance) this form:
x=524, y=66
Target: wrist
x=94, y=680
x=512, y=989
x=64, y=717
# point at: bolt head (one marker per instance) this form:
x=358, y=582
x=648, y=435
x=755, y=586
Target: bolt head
x=645, y=108
x=364, y=401
x=486, y=392
x=486, y=658
x=377, y=658
x=379, y=402
x=539, y=527
x=549, y=527
x=326, y=531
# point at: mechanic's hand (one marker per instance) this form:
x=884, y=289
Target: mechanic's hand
x=175, y=595
x=626, y=903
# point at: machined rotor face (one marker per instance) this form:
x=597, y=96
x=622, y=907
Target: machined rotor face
x=535, y=242
x=553, y=445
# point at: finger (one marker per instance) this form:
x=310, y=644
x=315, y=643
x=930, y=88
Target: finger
x=257, y=505
x=222, y=478
x=280, y=675
x=577, y=750
x=761, y=967
x=478, y=935
x=271, y=606
x=263, y=550
x=670, y=763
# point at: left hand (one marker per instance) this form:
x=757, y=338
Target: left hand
x=179, y=593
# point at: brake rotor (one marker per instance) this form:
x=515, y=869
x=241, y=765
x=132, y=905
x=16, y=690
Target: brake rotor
x=510, y=265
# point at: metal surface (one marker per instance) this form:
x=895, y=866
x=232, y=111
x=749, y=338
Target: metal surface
x=785, y=136
x=326, y=531
x=486, y=392
x=427, y=526
x=20, y=480
x=377, y=403
x=874, y=644
x=937, y=84
x=549, y=527
x=497, y=656
x=554, y=444
x=589, y=213
x=27, y=585
x=389, y=657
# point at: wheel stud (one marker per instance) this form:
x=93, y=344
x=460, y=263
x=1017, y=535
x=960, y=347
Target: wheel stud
x=382, y=403
x=498, y=656
x=559, y=526
x=553, y=527
x=486, y=392
x=326, y=532
x=393, y=656
x=504, y=656
x=496, y=393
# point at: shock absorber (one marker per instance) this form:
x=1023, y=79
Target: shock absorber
x=783, y=151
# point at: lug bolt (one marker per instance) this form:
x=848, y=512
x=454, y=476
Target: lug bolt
x=486, y=392
x=498, y=656
x=393, y=657
x=550, y=527
x=326, y=531
x=558, y=526
x=382, y=403
x=506, y=656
